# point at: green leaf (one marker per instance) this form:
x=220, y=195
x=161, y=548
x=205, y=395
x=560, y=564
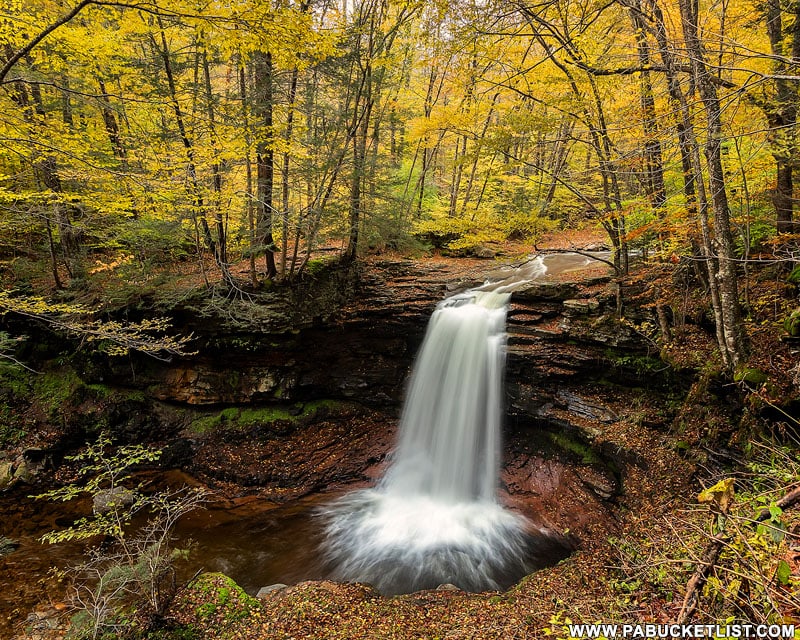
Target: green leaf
x=777, y=533
x=783, y=573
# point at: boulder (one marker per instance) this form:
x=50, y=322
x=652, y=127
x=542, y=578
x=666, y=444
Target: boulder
x=109, y=499
x=581, y=307
x=263, y=592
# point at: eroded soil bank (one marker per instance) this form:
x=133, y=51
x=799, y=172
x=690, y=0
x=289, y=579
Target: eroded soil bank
x=283, y=417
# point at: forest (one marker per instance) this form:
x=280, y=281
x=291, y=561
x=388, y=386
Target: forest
x=244, y=137
x=202, y=182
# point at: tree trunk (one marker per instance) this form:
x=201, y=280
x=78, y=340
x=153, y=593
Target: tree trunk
x=194, y=188
x=427, y=110
x=733, y=326
x=781, y=114
x=694, y=183
x=251, y=219
x=458, y=167
x=285, y=173
x=110, y=122
x=265, y=158
x=216, y=169
x=652, y=145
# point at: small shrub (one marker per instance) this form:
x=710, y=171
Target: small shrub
x=127, y=581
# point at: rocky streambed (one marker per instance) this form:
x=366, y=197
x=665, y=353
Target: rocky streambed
x=278, y=419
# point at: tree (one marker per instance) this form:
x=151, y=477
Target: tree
x=781, y=108
x=734, y=348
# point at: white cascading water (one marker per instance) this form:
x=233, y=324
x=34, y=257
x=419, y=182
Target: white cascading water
x=434, y=518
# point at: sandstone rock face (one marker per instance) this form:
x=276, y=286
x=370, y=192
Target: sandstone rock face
x=352, y=343
x=561, y=335
x=362, y=349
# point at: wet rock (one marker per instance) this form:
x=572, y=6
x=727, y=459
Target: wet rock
x=484, y=252
x=263, y=592
x=447, y=587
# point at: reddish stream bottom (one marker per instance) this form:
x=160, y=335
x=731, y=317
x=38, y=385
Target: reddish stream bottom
x=256, y=543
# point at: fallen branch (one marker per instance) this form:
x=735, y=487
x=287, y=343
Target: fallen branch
x=789, y=500
x=700, y=575
x=720, y=497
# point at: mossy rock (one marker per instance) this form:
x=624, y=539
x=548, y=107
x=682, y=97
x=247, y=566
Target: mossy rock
x=214, y=601
x=575, y=446
x=792, y=323
x=278, y=418
x=751, y=376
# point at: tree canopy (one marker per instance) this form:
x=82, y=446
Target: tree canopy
x=241, y=138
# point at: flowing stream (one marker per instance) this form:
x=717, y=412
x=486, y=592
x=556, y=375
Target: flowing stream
x=434, y=517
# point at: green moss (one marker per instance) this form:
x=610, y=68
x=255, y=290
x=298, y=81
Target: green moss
x=224, y=600
x=229, y=414
x=236, y=418
x=135, y=396
x=100, y=391
x=205, y=424
x=316, y=266
x=792, y=323
x=56, y=384
x=16, y=381
x=54, y=388
x=571, y=445
x=751, y=376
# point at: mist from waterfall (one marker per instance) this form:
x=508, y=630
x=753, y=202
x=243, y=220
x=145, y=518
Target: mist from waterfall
x=434, y=518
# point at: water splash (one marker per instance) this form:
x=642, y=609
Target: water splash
x=434, y=517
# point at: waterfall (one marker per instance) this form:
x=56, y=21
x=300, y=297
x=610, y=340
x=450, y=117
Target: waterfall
x=434, y=517
x=450, y=426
